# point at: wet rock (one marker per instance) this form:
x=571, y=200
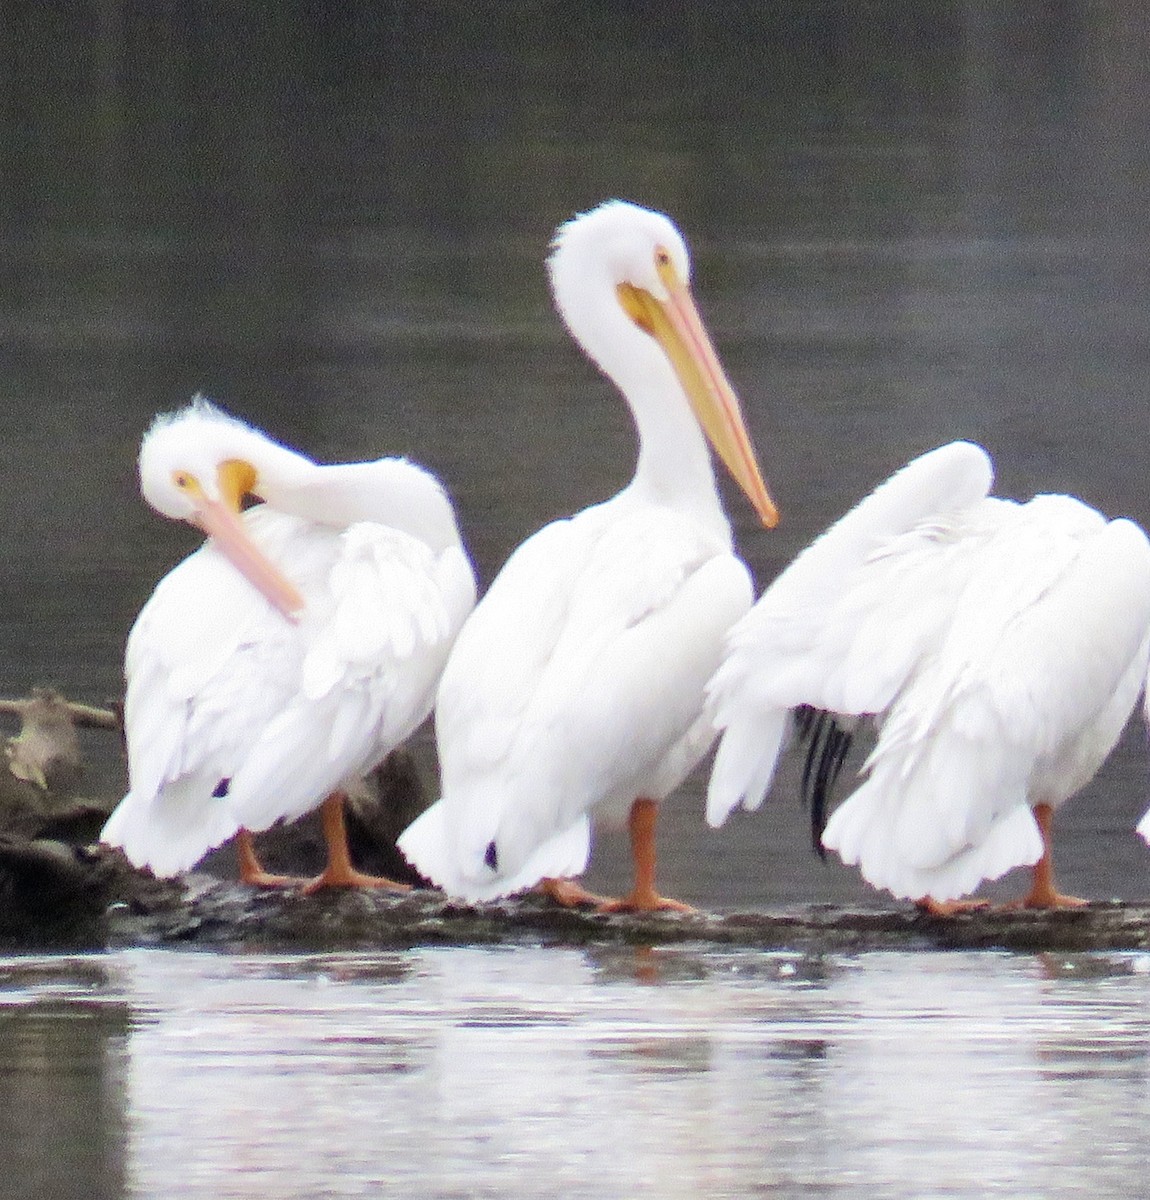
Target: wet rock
x=52, y=888
x=51, y=892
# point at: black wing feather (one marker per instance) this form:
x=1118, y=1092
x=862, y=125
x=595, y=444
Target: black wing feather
x=827, y=746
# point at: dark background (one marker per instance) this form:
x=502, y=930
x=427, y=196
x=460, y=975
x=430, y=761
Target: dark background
x=910, y=222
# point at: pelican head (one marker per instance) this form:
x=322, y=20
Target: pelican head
x=198, y=465
x=639, y=260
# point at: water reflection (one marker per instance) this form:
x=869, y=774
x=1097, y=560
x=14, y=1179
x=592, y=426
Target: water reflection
x=63, y=1055
x=532, y=1073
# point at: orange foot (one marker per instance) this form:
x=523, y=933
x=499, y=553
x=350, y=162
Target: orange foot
x=645, y=900
x=265, y=879
x=349, y=877
x=339, y=872
x=948, y=908
x=1043, y=893
x=251, y=869
x=1046, y=898
x=569, y=893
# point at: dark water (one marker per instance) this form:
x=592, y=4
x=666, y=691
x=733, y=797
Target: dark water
x=524, y=1073
x=910, y=223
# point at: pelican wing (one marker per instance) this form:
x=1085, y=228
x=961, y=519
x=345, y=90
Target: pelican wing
x=208, y=662
x=236, y=717
x=844, y=625
x=1023, y=700
x=577, y=682
x=375, y=649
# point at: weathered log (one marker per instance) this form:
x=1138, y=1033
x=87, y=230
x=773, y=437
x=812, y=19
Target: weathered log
x=57, y=889
x=218, y=914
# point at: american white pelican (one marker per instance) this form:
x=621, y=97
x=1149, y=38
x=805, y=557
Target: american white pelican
x=1000, y=648
x=577, y=683
x=254, y=694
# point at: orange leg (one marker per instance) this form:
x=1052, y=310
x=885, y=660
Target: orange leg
x=1043, y=893
x=339, y=871
x=643, y=897
x=252, y=871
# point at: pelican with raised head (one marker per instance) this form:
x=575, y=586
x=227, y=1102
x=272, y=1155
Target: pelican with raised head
x=576, y=686
x=290, y=653
x=998, y=647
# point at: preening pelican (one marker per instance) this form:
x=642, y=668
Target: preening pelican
x=1000, y=648
x=290, y=653
x=576, y=686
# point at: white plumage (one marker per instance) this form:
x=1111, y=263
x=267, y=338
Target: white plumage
x=1000, y=647
x=576, y=687
x=239, y=715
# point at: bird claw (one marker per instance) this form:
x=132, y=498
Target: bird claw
x=569, y=893
x=265, y=879
x=644, y=902
x=1045, y=899
x=350, y=879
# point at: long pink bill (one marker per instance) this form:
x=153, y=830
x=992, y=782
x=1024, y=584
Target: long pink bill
x=715, y=403
x=226, y=528
x=675, y=324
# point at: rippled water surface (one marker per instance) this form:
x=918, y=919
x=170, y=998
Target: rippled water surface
x=576, y=1073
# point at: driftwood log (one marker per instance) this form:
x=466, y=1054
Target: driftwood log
x=59, y=889
x=212, y=913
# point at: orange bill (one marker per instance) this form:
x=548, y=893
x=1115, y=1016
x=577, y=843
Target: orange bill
x=676, y=325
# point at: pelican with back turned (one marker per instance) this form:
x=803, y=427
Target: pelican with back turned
x=998, y=647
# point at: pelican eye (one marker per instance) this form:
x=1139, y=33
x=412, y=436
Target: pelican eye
x=662, y=257
x=182, y=479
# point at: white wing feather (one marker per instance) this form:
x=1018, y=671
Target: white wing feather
x=208, y=661
x=1026, y=697
x=576, y=684
x=821, y=633
x=373, y=655
x=224, y=695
